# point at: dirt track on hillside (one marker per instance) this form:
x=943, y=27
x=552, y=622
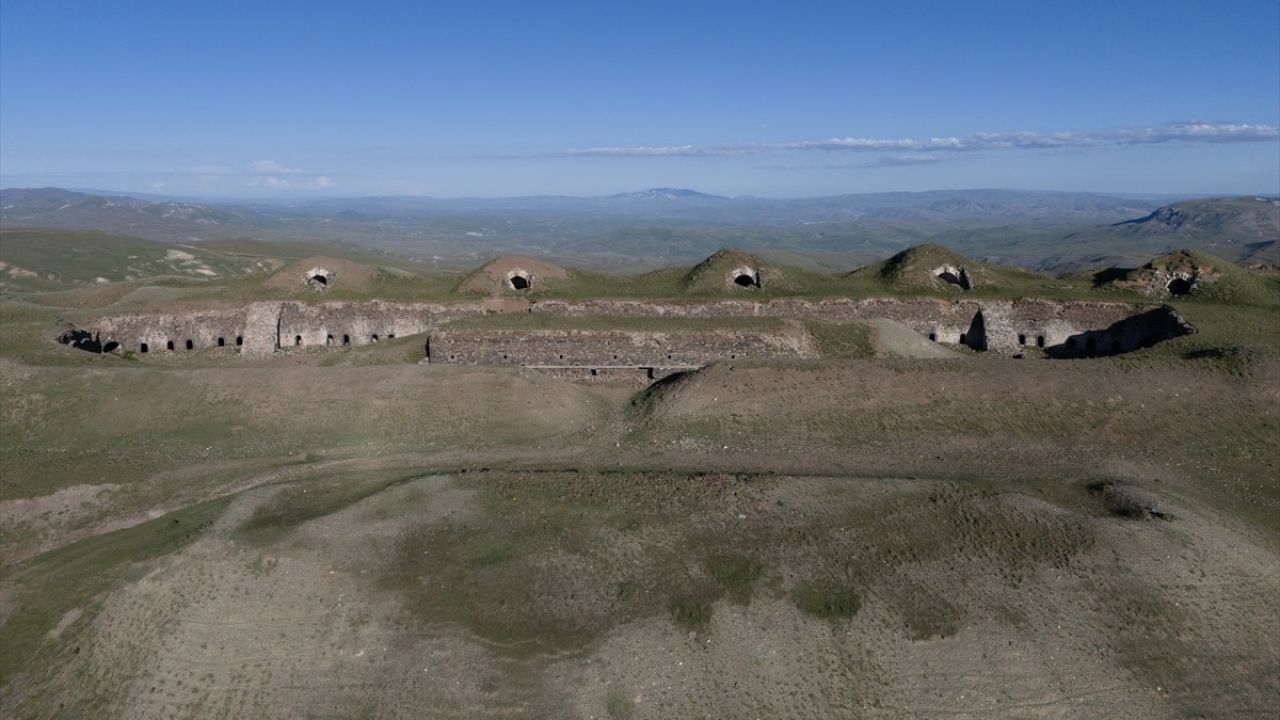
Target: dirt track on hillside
x=524, y=540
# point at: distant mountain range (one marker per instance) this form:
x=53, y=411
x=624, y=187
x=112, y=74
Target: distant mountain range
x=1048, y=230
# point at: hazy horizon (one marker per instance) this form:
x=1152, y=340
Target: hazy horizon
x=265, y=197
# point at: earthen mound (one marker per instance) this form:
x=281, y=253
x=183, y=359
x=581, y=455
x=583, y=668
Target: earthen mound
x=666, y=393
x=323, y=273
x=737, y=271
x=513, y=274
x=929, y=266
x=1194, y=274
x=1179, y=273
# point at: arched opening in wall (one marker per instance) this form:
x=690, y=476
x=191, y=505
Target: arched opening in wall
x=933, y=337
x=328, y=340
x=111, y=346
x=143, y=348
x=318, y=278
x=373, y=337
x=168, y=345
x=1039, y=341
x=964, y=339
x=1022, y=339
x=346, y=340
x=222, y=342
x=239, y=340
x=391, y=336
x=594, y=372
x=745, y=277
x=976, y=337
x=190, y=345
x=297, y=341
x=1179, y=287
x=519, y=280
x=953, y=275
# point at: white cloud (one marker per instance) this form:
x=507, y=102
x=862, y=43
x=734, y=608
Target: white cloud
x=1184, y=132
x=321, y=182
x=271, y=167
x=157, y=185
x=276, y=183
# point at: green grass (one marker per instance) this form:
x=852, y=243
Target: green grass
x=735, y=573
x=298, y=504
x=486, y=550
x=691, y=613
x=826, y=601
x=64, y=259
x=847, y=341
x=70, y=577
x=619, y=706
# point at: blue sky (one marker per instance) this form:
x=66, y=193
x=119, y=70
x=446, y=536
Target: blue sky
x=776, y=99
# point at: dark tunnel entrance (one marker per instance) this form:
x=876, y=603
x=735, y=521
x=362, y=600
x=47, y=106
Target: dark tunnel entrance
x=745, y=280
x=1179, y=287
x=976, y=337
x=519, y=282
x=954, y=276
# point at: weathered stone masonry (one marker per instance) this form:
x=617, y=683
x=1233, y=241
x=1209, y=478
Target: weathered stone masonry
x=1062, y=329
x=586, y=352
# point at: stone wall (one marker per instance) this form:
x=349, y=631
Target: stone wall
x=151, y=333
x=614, y=348
x=1061, y=328
x=339, y=324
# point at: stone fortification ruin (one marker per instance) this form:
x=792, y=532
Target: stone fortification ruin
x=613, y=344
x=596, y=338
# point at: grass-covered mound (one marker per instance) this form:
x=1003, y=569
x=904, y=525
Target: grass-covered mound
x=1194, y=275
x=936, y=268
x=738, y=272
x=513, y=275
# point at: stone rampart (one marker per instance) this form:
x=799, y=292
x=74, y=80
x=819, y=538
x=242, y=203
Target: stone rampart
x=613, y=348
x=1066, y=329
